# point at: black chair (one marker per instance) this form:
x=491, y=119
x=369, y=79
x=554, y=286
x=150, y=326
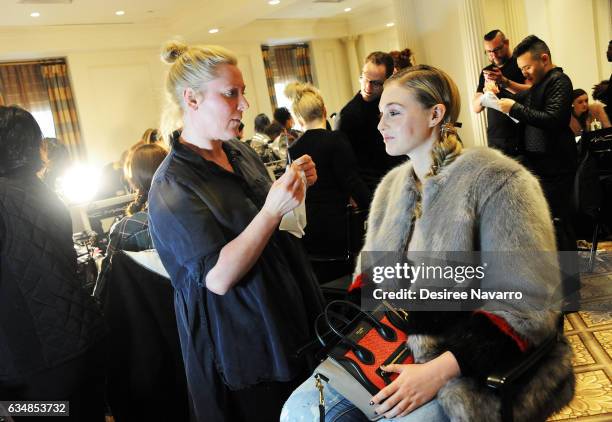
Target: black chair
x=506, y=379
x=330, y=267
x=595, y=164
x=146, y=376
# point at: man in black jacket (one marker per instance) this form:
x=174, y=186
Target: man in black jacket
x=359, y=121
x=549, y=145
x=505, y=79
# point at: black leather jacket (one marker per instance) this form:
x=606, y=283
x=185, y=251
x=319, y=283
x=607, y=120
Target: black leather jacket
x=545, y=112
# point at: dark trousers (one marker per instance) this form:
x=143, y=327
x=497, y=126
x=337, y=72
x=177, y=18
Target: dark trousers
x=79, y=381
x=558, y=190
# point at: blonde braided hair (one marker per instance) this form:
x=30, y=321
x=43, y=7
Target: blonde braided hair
x=432, y=86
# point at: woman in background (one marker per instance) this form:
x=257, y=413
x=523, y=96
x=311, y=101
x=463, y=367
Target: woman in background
x=401, y=59
x=584, y=114
x=338, y=180
x=131, y=233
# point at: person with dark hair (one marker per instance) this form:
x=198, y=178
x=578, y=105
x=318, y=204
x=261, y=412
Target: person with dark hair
x=585, y=116
x=504, y=79
x=600, y=93
x=273, y=130
x=606, y=96
x=261, y=122
x=550, y=152
x=131, y=233
x=56, y=159
x=288, y=136
x=359, y=117
x=260, y=141
x=401, y=59
x=51, y=332
x=283, y=116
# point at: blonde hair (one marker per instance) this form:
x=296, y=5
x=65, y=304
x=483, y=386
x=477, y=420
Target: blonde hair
x=191, y=67
x=306, y=101
x=432, y=86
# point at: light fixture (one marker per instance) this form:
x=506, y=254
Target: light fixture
x=390, y=24
x=213, y=30
x=120, y=12
x=273, y=2
x=348, y=9
x=35, y=14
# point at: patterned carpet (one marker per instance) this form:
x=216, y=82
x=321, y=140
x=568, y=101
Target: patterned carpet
x=590, y=334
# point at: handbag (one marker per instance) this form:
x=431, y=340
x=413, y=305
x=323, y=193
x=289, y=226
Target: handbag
x=365, y=343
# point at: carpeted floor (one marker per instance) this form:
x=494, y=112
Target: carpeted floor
x=590, y=334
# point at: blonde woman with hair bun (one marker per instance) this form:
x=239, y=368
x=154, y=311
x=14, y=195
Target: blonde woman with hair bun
x=338, y=180
x=245, y=294
x=449, y=199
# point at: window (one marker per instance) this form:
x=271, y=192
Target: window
x=284, y=64
x=43, y=88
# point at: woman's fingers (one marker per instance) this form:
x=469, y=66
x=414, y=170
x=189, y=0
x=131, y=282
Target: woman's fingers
x=389, y=403
x=401, y=408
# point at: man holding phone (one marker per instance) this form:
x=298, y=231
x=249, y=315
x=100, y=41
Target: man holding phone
x=504, y=79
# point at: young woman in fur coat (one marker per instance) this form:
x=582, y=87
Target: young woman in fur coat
x=449, y=199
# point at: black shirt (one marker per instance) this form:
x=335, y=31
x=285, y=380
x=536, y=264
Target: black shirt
x=250, y=334
x=337, y=180
x=503, y=133
x=359, y=122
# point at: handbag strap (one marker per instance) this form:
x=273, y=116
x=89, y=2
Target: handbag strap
x=319, y=386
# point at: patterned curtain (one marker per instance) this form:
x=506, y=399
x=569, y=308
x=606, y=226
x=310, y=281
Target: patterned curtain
x=265, y=51
x=55, y=77
x=302, y=56
x=22, y=85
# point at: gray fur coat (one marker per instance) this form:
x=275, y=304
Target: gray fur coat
x=482, y=201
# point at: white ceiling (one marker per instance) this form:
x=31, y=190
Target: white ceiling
x=102, y=12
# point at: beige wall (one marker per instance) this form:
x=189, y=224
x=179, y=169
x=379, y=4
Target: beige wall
x=331, y=73
x=118, y=95
x=384, y=40
x=577, y=34
x=117, y=75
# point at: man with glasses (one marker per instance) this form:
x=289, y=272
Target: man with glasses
x=359, y=120
x=504, y=78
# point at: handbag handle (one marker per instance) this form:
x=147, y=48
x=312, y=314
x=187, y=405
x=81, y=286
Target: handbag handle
x=363, y=354
x=386, y=332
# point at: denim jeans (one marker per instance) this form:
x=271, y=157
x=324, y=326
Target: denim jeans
x=303, y=406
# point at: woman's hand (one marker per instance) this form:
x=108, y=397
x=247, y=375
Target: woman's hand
x=416, y=385
x=305, y=164
x=285, y=194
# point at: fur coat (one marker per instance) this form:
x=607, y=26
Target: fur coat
x=488, y=202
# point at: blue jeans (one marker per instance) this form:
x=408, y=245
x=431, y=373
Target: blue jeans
x=303, y=406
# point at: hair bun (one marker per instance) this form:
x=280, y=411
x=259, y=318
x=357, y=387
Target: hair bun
x=172, y=50
x=295, y=90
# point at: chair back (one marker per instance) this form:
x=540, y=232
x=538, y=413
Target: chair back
x=146, y=378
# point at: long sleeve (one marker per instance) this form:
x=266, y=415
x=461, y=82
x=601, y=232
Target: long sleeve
x=345, y=172
x=556, y=110
x=478, y=344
